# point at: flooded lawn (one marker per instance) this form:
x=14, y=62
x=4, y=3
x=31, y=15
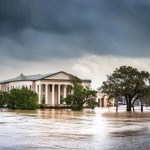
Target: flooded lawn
x=99, y=129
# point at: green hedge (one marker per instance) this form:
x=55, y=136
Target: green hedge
x=22, y=99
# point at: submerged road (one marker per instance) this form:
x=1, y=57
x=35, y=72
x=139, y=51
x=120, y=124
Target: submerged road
x=99, y=129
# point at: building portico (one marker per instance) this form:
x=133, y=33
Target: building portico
x=53, y=93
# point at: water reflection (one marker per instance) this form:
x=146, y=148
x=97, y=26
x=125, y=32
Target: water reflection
x=65, y=129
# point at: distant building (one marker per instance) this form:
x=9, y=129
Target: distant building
x=52, y=87
x=102, y=100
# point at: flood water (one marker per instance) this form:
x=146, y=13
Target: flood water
x=99, y=129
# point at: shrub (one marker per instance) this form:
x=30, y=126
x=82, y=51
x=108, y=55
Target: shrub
x=3, y=99
x=22, y=99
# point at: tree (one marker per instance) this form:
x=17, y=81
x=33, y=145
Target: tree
x=129, y=83
x=22, y=99
x=81, y=96
x=109, y=103
x=4, y=96
x=147, y=101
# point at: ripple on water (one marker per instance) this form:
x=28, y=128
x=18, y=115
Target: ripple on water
x=64, y=129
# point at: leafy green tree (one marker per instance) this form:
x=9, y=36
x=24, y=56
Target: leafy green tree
x=129, y=83
x=22, y=99
x=81, y=96
x=4, y=96
x=43, y=100
x=109, y=103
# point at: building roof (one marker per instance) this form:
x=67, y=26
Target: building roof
x=22, y=77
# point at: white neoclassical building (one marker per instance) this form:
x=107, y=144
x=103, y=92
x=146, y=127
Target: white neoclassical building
x=53, y=87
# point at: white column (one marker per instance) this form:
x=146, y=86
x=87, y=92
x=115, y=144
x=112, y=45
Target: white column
x=53, y=94
x=65, y=91
x=40, y=93
x=36, y=88
x=58, y=93
x=33, y=86
x=46, y=94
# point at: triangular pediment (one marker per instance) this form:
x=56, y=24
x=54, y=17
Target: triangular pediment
x=59, y=76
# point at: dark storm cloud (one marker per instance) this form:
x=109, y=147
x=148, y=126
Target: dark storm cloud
x=38, y=29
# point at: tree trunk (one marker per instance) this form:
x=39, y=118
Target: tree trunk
x=133, y=104
x=141, y=106
x=116, y=105
x=129, y=105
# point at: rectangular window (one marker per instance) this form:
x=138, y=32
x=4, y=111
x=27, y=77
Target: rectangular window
x=61, y=88
x=99, y=102
x=38, y=88
x=56, y=88
x=61, y=99
x=43, y=88
x=102, y=102
x=50, y=88
x=30, y=87
x=69, y=89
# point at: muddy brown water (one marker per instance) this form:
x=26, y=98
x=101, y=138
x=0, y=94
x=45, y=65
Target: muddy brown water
x=99, y=129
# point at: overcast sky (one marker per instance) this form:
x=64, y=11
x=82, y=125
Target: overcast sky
x=88, y=38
